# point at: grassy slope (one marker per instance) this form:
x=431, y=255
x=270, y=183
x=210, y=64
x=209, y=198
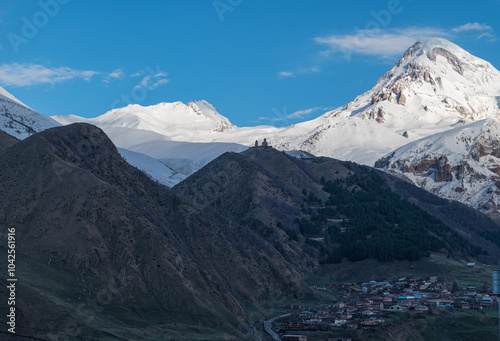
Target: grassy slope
x=435, y=265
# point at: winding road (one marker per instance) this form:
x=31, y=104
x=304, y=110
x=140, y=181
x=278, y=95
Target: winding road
x=268, y=327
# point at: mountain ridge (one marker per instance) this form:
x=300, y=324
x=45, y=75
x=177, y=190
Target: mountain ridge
x=88, y=218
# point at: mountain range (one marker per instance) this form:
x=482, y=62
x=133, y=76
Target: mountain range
x=435, y=91
x=435, y=87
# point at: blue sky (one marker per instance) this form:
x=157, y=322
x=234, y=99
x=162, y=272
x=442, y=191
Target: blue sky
x=258, y=62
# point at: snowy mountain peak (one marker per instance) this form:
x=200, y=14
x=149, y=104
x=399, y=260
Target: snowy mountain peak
x=436, y=82
x=427, y=47
x=177, y=121
x=208, y=110
x=19, y=120
x=438, y=59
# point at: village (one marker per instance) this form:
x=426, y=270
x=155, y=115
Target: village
x=369, y=306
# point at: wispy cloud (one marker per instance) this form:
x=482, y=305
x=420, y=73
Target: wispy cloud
x=284, y=74
x=301, y=71
x=306, y=112
x=483, y=30
x=117, y=74
x=152, y=81
x=19, y=75
x=472, y=27
x=387, y=43
x=378, y=42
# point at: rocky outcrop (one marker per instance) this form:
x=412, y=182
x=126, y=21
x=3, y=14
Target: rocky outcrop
x=462, y=165
x=450, y=57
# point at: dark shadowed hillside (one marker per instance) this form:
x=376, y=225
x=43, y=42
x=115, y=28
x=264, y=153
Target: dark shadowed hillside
x=325, y=210
x=103, y=252
x=6, y=140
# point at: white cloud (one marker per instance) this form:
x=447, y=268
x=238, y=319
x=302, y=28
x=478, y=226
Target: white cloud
x=489, y=35
x=117, y=74
x=287, y=74
x=151, y=82
x=305, y=112
x=284, y=74
x=377, y=42
x=387, y=43
x=485, y=31
x=32, y=74
x=160, y=82
x=472, y=27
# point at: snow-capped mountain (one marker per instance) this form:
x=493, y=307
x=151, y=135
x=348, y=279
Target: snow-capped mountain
x=435, y=86
x=178, y=121
x=19, y=120
x=461, y=164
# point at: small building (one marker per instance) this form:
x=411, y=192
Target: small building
x=440, y=303
x=294, y=338
x=396, y=309
x=421, y=308
x=292, y=306
x=367, y=313
x=462, y=305
x=486, y=300
x=264, y=144
x=445, y=293
x=374, y=321
x=471, y=265
x=308, y=314
x=339, y=322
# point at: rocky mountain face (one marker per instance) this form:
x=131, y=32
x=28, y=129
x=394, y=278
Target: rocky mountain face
x=461, y=164
x=105, y=252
